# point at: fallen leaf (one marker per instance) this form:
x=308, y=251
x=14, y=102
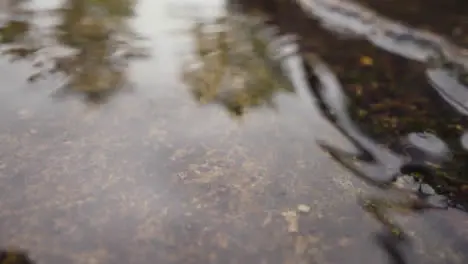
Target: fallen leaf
x=366, y=60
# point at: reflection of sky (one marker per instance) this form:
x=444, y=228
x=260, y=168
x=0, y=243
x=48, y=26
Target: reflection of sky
x=45, y=4
x=163, y=23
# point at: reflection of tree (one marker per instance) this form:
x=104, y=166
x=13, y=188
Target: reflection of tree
x=232, y=68
x=94, y=37
x=15, y=28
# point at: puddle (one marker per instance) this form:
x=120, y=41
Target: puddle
x=108, y=154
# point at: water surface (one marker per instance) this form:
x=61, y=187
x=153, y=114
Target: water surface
x=105, y=158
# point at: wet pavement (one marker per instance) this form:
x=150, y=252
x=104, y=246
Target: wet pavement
x=147, y=174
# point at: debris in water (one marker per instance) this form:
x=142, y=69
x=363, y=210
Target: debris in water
x=303, y=208
x=292, y=220
x=365, y=60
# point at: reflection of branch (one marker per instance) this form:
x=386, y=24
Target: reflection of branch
x=452, y=89
x=335, y=105
x=447, y=63
x=383, y=32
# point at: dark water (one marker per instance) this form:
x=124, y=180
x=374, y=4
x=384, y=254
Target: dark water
x=115, y=149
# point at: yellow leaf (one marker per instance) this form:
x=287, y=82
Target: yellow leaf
x=365, y=60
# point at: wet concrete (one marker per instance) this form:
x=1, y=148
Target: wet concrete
x=152, y=177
